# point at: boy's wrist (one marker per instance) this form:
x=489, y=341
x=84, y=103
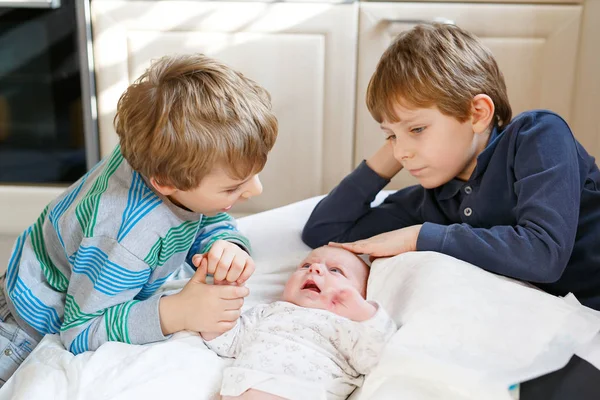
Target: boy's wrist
x=383, y=162
x=171, y=318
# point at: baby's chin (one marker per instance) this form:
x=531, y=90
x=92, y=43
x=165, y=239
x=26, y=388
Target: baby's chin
x=306, y=300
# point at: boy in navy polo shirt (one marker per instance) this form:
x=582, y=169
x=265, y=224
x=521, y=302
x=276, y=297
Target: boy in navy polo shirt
x=516, y=197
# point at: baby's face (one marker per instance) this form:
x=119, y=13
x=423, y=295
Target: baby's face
x=324, y=270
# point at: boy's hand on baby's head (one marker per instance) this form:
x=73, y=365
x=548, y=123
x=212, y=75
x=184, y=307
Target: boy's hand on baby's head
x=227, y=262
x=348, y=302
x=387, y=244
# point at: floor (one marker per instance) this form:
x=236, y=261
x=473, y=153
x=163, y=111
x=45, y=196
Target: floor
x=6, y=243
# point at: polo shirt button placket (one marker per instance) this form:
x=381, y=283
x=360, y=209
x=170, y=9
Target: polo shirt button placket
x=468, y=189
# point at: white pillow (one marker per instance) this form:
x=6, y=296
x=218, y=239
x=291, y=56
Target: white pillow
x=469, y=331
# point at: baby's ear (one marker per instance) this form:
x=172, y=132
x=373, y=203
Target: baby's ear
x=482, y=112
x=165, y=190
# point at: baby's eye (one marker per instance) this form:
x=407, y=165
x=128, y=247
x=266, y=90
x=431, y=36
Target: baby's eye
x=305, y=266
x=418, y=130
x=335, y=270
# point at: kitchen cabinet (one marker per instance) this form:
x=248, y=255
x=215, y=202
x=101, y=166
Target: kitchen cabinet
x=535, y=46
x=304, y=54
x=316, y=59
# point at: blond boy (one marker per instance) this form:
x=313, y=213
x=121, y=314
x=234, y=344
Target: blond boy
x=193, y=136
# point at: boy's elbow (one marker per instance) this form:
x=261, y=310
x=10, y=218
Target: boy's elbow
x=76, y=344
x=555, y=263
x=555, y=271
x=311, y=237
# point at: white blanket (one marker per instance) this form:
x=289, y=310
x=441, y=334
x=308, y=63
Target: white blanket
x=466, y=334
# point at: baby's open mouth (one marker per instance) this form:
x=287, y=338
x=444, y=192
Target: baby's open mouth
x=311, y=285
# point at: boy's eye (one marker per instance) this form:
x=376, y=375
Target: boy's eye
x=230, y=191
x=390, y=137
x=418, y=130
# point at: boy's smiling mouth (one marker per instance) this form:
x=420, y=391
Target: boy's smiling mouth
x=311, y=285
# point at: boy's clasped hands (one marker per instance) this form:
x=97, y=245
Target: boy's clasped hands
x=201, y=307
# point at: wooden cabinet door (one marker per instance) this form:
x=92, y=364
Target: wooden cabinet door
x=535, y=46
x=304, y=54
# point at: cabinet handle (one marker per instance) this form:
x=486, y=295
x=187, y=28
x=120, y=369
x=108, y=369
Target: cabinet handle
x=440, y=20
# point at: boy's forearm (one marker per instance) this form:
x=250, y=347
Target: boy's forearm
x=335, y=217
x=383, y=162
x=171, y=319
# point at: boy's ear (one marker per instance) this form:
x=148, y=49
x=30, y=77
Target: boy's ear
x=165, y=190
x=482, y=112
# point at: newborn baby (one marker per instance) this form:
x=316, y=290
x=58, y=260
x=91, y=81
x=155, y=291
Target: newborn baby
x=316, y=343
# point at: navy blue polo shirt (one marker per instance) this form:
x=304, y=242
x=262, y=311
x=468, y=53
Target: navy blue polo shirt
x=530, y=211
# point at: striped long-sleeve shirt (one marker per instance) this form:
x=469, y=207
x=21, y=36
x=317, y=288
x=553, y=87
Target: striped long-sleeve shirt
x=90, y=265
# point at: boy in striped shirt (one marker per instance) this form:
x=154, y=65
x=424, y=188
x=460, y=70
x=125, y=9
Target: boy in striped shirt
x=193, y=136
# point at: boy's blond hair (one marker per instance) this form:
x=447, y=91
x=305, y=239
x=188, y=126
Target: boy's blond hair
x=436, y=65
x=188, y=114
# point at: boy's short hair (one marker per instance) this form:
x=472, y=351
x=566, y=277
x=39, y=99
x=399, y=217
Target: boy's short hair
x=437, y=65
x=189, y=113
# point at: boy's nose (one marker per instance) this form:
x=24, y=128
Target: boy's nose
x=402, y=153
x=254, y=188
x=316, y=268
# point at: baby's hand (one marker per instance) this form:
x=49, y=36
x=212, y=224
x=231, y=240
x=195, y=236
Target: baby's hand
x=349, y=303
x=227, y=262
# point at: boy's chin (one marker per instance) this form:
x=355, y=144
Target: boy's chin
x=433, y=183
x=211, y=213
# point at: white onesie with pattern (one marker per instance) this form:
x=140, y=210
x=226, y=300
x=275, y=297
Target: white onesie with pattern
x=301, y=353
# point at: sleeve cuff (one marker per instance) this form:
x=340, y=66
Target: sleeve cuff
x=230, y=236
x=144, y=322
x=241, y=241
x=223, y=345
x=380, y=322
x=367, y=180
x=432, y=237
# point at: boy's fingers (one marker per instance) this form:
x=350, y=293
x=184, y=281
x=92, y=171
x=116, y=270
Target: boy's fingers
x=196, y=259
x=248, y=271
x=225, y=326
x=213, y=257
x=233, y=292
x=233, y=304
x=230, y=315
x=336, y=244
x=355, y=247
x=235, y=268
x=224, y=265
x=200, y=274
